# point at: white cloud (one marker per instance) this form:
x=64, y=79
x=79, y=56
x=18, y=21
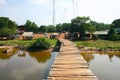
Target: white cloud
x=2, y=2
x=22, y=73
x=38, y=1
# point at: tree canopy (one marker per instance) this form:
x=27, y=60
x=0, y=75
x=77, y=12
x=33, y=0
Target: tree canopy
x=7, y=27
x=100, y=26
x=43, y=29
x=79, y=25
x=31, y=26
x=59, y=28
x=51, y=28
x=116, y=23
x=112, y=35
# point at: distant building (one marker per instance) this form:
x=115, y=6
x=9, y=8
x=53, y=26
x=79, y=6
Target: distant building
x=100, y=33
x=28, y=35
x=20, y=29
x=54, y=35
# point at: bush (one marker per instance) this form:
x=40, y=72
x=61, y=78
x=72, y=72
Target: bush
x=40, y=44
x=1, y=44
x=114, y=37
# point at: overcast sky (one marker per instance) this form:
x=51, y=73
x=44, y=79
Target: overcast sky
x=40, y=11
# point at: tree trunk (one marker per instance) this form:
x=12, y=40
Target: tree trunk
x=91, y=36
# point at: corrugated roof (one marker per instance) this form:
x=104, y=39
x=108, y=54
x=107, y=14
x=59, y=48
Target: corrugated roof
x=28, y=34
x=101, y=32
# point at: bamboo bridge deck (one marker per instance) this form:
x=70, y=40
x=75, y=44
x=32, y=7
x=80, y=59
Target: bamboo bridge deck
x=70, y=65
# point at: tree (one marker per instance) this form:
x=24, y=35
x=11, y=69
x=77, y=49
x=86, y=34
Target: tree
x=112, y=35
x=116, y=23
x=59, y=28
x=51, y=28
x=7, y=27
x=91, y=29
x=43, y=29
x=79, y=25
x=66, y=27
x=100, y=26
x=31, y=26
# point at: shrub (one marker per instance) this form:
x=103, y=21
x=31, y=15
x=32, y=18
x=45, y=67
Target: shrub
x=114, y=37
x=40, y=44
x=1, y=44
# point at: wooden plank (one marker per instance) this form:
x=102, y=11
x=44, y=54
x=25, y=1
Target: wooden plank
x=70, y=65
x=72, y=78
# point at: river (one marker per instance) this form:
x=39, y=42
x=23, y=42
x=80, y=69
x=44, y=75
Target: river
x=105, y=65
x=24, y=65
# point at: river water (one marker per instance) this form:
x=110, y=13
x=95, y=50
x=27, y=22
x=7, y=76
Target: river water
x=24, y=65
x=105, y=65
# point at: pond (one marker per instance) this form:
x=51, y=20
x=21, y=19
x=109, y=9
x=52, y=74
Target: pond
x=105, y=65
x=24, y=65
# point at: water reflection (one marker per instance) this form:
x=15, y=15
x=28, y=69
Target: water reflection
x=42, y=56
x=24, y=65
x=89, y=56
x=105, y=65
x=5, y=56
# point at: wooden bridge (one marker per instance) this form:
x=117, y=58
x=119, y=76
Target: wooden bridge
x=70, y=65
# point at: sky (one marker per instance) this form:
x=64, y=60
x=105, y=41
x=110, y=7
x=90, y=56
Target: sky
x=41, y=11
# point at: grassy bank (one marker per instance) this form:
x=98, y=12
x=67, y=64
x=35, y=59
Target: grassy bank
x=101, y=44
x=23, y=42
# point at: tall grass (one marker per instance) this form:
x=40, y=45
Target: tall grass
x=23, y=42
x=102, y=44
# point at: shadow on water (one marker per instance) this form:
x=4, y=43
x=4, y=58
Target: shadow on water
x=57, y=47
x=55, y=52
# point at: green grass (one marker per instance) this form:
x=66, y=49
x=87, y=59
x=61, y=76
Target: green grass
x=53, y=42
x=102, y=44
x=23, y=42
x=16, y=42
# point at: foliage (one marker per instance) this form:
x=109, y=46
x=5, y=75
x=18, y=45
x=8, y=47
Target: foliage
x=100, y=26
x=16, y=42
x=43, y=29
x=116, y=23
x=59, y=28
x=66, y=27
x=31, y=27
x=51, y=28
x=24, y=42
x=116, y=37
x=7, y=26
x=40, y=44
x=90, y=28
x=101, y=44
x=1, y=44
x=112, y=35
x=79, y=25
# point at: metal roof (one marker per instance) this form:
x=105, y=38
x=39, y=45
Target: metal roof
x=101, y=33
x=28, y=34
